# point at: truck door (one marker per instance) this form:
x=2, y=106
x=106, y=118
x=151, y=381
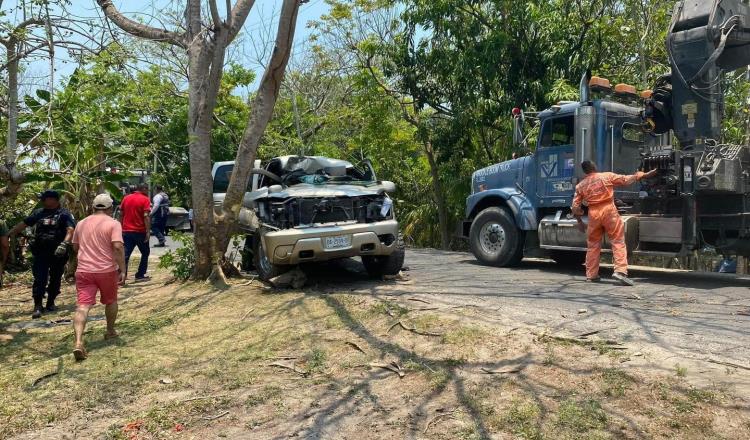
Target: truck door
x=556, y=161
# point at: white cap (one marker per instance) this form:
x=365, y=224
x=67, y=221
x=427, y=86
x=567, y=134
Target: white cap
x=103, y=201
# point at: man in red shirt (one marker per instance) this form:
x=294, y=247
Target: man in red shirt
x=136, y=224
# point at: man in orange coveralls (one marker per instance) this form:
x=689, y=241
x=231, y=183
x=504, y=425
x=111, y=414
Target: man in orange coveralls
x=597, y=191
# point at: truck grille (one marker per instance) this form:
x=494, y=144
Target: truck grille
x=316, y=210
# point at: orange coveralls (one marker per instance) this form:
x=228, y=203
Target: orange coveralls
x=597, y=190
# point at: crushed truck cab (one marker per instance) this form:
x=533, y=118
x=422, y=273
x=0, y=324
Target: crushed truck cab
x=302, y=209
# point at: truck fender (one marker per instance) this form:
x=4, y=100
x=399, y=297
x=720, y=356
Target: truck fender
x=520, y=206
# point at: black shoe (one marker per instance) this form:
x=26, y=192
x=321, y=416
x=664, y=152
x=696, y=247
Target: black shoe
x=51, y=307
x=593, y=280
x=160, y=245
x=623, y=279
x=37, y=313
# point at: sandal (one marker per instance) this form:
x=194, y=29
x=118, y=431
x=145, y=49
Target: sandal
x=80, y=353
x=108, y=337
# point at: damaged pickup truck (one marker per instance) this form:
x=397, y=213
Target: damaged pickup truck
x=301, y=209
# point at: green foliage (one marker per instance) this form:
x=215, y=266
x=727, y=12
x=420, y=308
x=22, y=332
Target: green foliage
x=582, y=416
x=180, y=261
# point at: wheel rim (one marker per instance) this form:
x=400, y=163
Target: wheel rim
x=492, y=238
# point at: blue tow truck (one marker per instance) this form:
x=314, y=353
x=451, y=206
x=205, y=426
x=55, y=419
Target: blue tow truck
x=521, y=207
x=701, y=194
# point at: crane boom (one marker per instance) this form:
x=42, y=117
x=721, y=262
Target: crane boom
x=706, y=39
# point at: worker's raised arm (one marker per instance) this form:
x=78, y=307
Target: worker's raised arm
x=621, y=180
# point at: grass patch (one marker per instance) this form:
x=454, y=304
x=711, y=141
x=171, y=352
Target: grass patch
x=265, y=394
x=388, y=308
x=581, y=416
x=616, y=382
x=463, y=335
x=315, y=361
x=522, y=418
x=550, y=358
x=680, y=371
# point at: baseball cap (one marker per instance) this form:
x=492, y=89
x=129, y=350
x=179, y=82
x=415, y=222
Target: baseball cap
x=49, y=194
x=103, y=201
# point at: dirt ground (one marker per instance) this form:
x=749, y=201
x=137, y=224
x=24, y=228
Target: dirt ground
x=352, y=359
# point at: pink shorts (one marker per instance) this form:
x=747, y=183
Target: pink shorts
x=88, y=283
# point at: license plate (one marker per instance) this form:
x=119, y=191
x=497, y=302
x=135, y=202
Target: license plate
x=338, y=242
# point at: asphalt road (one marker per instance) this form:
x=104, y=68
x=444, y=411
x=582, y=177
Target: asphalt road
x=669, y=318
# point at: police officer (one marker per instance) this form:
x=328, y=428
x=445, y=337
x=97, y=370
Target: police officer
x=53, y=232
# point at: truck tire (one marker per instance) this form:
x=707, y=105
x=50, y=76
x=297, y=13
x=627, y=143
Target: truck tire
x=495, y=240
x=265, y=268
x=568, y=258
x=247, y=254
x=379, y=265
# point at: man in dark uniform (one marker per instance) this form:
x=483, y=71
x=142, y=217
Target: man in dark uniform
x=53, y=232
x=4, y=249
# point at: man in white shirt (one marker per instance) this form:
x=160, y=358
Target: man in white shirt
x=159, y=214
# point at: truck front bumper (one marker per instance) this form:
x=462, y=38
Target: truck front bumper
x=300, y=245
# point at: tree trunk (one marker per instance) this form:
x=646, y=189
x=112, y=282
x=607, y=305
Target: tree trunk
x=8, y=169
x=437, y=192
x=260, y=115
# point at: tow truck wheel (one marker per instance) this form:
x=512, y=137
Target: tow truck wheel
x=494, y=238
x=265, y=268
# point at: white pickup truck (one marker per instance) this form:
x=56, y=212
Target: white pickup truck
x=310, y=208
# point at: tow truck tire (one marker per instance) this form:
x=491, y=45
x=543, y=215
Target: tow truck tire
x=265, y=268
x=495, y=240
x=379, y=265
x=568, y=258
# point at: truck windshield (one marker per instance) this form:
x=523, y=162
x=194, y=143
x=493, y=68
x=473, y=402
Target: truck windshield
x=222, y=176
x=557, y=131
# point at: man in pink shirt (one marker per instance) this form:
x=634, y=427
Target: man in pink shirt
x=101, y=267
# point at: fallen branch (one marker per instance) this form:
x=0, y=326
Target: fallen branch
x=202, y=398
x=288, y=366
x=438, y=417
x=419, y=300
x=517, y=369
x=245, y=315
x=728, y=364
x=40, y=379
x=412, y=329
x=583, y=335
x=356, y=346
x=218, y=416
x=392, y=366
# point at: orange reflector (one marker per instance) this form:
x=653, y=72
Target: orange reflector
x=597, y=83
x=626, y=89
x=647, y=94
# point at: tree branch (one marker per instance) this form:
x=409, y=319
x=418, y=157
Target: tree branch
x=140, y=29
x=215, y=14
x=236, y=18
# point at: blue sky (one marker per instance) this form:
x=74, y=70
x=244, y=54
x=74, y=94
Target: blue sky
x=263, y=13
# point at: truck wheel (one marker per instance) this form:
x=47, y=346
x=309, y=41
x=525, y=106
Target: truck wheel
x=247, y=254
x=495, y=240
x=265, y=268
x=568, y=258
x=379, y=265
